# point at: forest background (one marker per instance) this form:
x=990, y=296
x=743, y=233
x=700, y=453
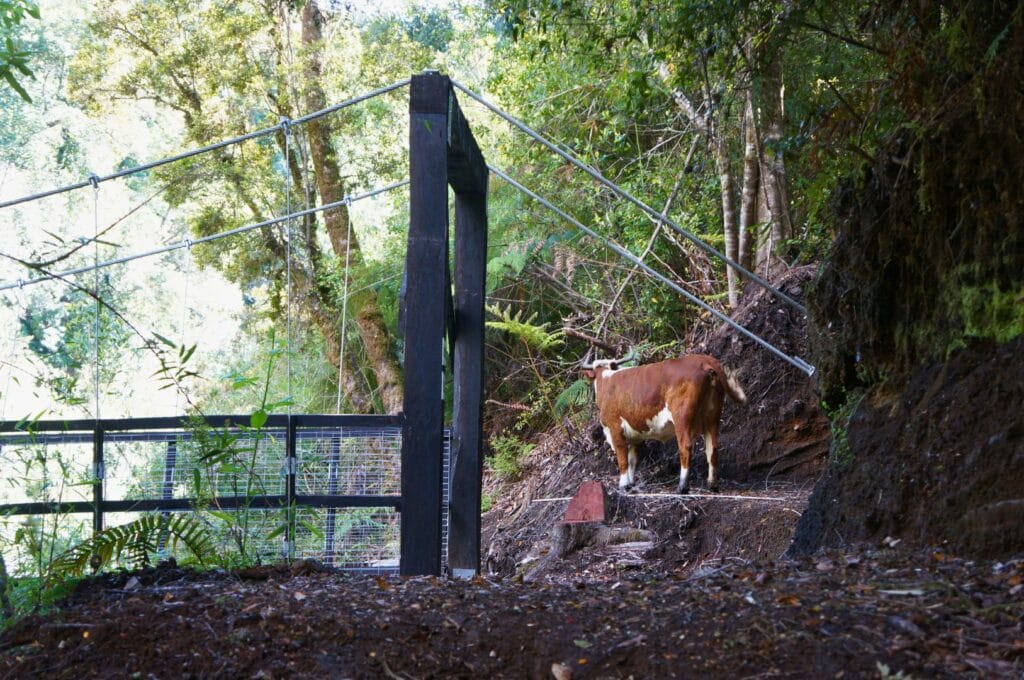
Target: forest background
x=741, y=121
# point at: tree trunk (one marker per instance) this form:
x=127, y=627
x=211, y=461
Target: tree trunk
x=729, y=226
x=773, y=169
x=707, y=123
x=751, y=182
x=368, y=318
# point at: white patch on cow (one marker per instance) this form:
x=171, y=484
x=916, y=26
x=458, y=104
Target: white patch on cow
x=660, y=427
x=628, y=430
x=608, y=437
x=624, y=481
x=683, y=473
x=632, y=465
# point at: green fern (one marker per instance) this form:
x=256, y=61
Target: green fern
x=131, y=544
x=573, y=396
x=534, y=335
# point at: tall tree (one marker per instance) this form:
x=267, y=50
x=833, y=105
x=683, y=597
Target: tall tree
x=369, y=320
x=227, y=68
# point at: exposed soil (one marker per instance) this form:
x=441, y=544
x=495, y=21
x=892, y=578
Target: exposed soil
x=937, y=463
x=846, y=615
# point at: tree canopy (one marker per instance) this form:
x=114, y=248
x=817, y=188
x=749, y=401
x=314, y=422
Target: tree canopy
x=741, y=120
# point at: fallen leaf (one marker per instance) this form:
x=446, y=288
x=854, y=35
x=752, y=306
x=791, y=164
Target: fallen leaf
x=299, y=595
x=790, y=600
x=583, y=644
x=381, y=582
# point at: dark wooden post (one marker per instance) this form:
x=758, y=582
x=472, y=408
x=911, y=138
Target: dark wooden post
x=423, y=427
x=467, y=454
x=467, y=174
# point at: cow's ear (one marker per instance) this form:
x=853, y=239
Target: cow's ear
x=614, y=365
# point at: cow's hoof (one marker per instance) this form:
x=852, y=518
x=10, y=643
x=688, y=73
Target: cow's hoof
x=683, y=489
x=713, y=487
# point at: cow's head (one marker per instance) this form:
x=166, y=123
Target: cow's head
x=590, y=370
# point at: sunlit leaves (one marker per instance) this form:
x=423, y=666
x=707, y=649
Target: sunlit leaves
x=14, y=58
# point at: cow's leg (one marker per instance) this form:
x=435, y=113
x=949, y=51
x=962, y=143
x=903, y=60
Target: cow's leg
x=631, y=473
x=711, y=451
x=683, y=419
x=617, y=441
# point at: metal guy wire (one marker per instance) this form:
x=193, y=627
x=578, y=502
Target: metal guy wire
x=19, y=283
x=795, y=361
x=95, y=179
x=630, y=197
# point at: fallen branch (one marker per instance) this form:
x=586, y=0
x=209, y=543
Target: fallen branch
x=514, y=407
x=573, y=333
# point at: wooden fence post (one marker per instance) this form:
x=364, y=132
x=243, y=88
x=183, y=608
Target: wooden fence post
x=423, y=427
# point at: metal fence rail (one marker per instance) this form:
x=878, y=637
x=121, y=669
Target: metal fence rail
x=340, y=476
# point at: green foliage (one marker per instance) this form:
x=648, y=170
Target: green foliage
x=509, y=452
x=839, y=420
x=132, y=545
x=574, y=396
x=989, y=312
x=534, y=335
x=14, y=57
x=173, y=369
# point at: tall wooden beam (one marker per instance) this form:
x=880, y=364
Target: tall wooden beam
x=422, y=430
x=467, y=415
x=467, y=169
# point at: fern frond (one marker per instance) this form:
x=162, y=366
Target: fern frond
x=132, y=544
x=535, y=335
x=573, y=396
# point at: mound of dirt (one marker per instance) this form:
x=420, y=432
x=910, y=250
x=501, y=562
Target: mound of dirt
x=686, y=533
x=782, y=432
x=936, y=463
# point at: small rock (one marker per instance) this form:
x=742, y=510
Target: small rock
x=561, y=672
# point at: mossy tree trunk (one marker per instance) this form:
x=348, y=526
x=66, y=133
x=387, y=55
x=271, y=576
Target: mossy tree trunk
x=331, y=187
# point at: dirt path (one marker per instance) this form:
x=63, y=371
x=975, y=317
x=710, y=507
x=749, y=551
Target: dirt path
x=841, y=615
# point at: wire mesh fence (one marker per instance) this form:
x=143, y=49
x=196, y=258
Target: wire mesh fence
x=338, y=502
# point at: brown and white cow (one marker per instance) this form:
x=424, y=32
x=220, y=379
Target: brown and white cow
x=678, y=397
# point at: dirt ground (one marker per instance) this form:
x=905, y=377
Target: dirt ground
x=693, y=586
x=872, y=613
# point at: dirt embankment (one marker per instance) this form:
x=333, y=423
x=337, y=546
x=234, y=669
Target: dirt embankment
x=936, y=463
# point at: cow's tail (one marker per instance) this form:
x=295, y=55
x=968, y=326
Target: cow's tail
x=732, y=387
